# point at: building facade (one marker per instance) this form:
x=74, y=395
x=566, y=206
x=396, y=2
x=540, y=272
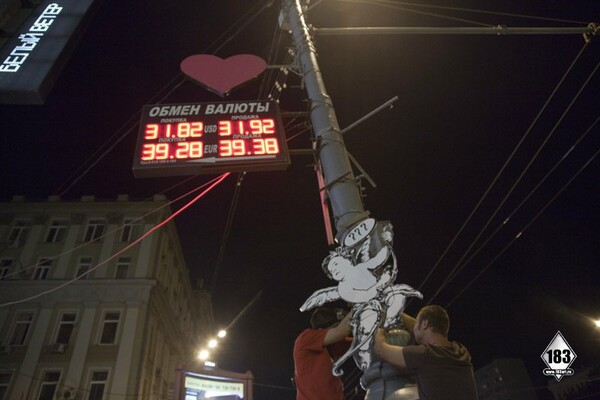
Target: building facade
x=91, y=305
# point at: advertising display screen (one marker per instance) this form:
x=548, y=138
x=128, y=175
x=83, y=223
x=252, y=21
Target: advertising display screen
x=190, y=139
x=213, y=385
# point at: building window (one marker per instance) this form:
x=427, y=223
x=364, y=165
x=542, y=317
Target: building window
x=18, y=234
x=94, y=230
x=22, y=324
x=49, y=385
x=109, y=327
x=5, y=267
x=4, y=382
x=122, y=269
x=42, y=269
x=85, y=264
x=98, y=381
x=57, y=231
x=130, y=230
x=66, y=327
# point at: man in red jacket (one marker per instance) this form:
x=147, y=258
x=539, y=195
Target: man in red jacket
x=314, y=350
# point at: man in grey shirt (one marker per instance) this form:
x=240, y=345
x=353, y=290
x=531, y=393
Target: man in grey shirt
x=442, y=367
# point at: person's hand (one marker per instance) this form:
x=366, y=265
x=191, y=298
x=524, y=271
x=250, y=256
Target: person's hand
x=379, y=340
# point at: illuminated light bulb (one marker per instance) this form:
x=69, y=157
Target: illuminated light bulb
x=597, y=322
x=210, y=364
x=222, y=333
x=203, y=354
x=212, y=343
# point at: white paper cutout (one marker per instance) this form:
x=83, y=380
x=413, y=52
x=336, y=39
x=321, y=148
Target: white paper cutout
x=365, y=272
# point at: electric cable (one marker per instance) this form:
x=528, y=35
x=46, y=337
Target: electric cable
x=228, y=224
x=273, y=53
x=502, y=169
x=396, y=6
x=518, y=207
x=179, y=77
x=244, y=24
x=83, y=245
x=452, y=273
x=471, y=10
x=132, y=244
x=134, y=120
x=520, y=233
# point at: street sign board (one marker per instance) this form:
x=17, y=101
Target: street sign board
x=191, y=139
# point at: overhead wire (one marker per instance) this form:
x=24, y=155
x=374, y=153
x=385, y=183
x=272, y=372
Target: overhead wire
x=503, y=168
x=396, y=6
x=227, y=231
x=527, y=197
x=126, y=248
x=94, y=159
x=118, y=228
x=470, y=10
x=249, y=16
x=238, y=188
x=452, y=273
x=520, y=233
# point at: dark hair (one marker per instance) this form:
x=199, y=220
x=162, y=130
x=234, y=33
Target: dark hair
x=323, y=317
x=437, y=317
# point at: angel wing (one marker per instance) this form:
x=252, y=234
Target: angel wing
x=321, y=297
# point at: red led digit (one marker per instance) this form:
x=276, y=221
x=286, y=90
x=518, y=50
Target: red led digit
x=241, y=128
x=258, y=146
x=225, y=149
x=225, y=128
x=256, y=126
x=239, y=147
x=148, y=152
x=272, y=146
x=162, y=151
x=268, y=126
x=196, y=150
x=183, y=130
x=167, y=130
x=189, y=150
x=182, y=150
x=151, y=131
x=196, y=129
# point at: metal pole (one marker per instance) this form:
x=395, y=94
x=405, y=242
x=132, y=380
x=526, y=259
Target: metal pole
x=492, y=30
x=342, y=187
x=380, y=380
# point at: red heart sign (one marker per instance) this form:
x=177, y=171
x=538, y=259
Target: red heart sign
x=220, y=76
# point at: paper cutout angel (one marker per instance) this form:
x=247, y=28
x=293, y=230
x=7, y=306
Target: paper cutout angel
x=366, y=282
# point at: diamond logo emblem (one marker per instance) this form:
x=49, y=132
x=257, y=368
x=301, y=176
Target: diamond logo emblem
x=558, y=356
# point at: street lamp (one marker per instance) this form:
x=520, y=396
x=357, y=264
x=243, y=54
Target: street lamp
x=203, y=354
x=212, y=343
x=222, y=333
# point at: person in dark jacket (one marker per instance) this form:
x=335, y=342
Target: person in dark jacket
x=442, y=367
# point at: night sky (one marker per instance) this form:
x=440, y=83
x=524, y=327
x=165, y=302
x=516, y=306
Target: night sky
x=465, y=102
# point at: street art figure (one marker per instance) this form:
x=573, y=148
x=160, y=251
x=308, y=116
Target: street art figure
x=365, y=268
